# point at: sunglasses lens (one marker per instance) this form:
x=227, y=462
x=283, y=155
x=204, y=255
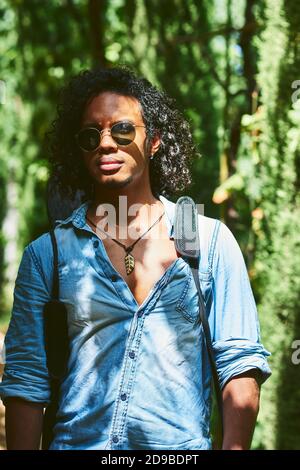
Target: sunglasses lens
x=89, y=139
x=123, y=133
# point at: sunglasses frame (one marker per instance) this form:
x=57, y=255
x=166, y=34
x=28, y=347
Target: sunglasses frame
x=101, y=132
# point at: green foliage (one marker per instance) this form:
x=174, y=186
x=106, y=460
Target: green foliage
x=277, y=257
x=230, y=66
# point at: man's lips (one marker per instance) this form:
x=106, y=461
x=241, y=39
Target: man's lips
x=109, y=164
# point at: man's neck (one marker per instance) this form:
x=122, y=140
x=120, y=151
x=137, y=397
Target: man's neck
x=124, y=199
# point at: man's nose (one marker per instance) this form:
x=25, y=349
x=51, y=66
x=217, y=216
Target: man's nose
x=106, y=140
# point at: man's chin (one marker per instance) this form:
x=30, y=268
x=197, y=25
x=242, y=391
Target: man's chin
x=111, y=183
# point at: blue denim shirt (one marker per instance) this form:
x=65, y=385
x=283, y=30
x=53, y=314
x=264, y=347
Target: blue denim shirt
x=138, y=376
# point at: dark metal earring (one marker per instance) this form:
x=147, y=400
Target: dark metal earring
x=151, y=157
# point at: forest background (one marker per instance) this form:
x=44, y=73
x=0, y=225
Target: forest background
x=234, y=69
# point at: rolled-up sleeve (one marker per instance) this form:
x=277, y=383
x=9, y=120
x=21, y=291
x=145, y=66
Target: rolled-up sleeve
x=233, y=315
x=25, y=372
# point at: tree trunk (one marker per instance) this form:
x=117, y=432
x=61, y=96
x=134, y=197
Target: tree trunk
x=96, y=15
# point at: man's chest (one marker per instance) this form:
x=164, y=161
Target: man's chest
x=151, y=258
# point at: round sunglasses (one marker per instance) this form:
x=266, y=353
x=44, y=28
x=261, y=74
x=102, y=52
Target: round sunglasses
x=123, y=133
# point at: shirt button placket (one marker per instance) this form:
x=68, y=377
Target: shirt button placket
x=122, y=414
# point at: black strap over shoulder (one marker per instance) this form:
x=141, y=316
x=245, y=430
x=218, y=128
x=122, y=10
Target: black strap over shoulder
x=56, y=324
x=187, y=243
x=57, y=347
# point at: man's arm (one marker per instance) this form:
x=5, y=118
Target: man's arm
x=240, y=410
x=23, y=424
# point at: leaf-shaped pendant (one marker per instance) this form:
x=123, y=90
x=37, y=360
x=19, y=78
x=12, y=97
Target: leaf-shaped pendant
x=129, y=263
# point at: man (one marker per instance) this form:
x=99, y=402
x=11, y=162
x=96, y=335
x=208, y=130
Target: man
x=138, y=375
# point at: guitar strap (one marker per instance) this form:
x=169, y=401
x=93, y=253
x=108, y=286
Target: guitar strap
x=187, y=243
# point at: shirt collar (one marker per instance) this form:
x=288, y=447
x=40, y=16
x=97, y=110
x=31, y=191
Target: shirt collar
x=77, y=218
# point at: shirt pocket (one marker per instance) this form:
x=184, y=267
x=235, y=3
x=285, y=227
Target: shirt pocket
x=187, y=303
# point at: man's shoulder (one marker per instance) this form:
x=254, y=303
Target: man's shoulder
x=41, y=244
x=205, y=222
x=208, y=227
x=41, y=253
x=42, y=248
x=210, y=223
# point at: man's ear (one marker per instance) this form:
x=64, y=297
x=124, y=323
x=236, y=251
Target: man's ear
x=155, y=144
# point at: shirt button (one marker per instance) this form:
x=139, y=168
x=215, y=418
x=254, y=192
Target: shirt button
x=132, y=354
x=96, y=244
x=114, y=278
x=115, y=439
x=140, y=314
x=123, y=397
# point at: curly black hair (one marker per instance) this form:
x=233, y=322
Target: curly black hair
x=169, y=170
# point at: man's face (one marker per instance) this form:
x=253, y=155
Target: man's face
x=130, y=162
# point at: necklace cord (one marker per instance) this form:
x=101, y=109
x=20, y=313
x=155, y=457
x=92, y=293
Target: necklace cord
x=129, y=248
